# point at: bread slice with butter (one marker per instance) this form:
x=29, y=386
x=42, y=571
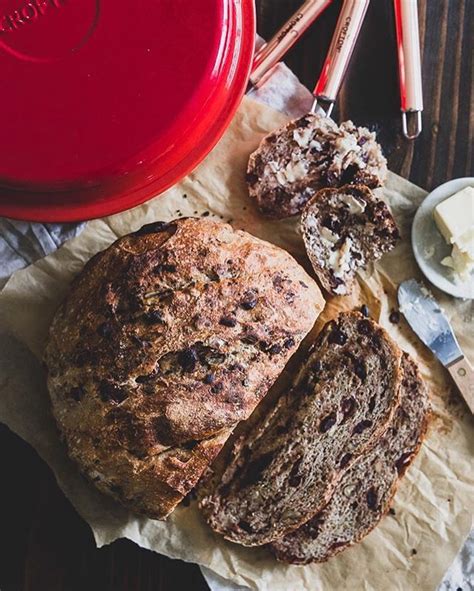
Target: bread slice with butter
x=343, y=230
x=308, y=154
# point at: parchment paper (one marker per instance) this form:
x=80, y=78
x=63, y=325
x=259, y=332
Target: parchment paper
x=433, y=508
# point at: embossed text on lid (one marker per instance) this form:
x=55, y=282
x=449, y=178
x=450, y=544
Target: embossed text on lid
x=44, y=30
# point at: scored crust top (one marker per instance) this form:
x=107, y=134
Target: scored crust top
x=309, y=154
x=166, y=340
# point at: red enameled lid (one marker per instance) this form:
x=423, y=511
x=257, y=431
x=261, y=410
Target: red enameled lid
x=106, y=103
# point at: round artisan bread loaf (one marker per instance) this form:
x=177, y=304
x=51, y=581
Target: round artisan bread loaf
x=165, y=342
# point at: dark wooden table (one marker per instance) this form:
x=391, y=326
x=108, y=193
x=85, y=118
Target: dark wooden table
x=44, y=545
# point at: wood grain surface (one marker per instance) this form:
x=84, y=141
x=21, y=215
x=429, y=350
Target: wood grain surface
x=44, y=545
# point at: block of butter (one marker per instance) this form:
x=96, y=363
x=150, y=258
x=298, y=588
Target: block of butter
x=454, y=218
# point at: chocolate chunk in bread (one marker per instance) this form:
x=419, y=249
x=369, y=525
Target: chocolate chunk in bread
x=343, y=230
x=285, y=468
x=309, y=154
x=150, y=364
x=365, y=491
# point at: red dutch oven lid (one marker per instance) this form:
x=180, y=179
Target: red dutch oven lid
x=106, y=103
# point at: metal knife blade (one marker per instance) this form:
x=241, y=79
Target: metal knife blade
x=428, y=321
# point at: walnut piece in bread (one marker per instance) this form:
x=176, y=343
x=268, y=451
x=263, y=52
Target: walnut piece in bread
x=308, y=154
x=364, y=493
x=165, y=342
x=343, y=230
x=285, y=468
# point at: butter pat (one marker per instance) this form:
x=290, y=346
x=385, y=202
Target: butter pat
x=454, y=218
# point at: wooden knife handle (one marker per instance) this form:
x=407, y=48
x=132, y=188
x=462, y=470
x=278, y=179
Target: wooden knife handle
x=462, y=373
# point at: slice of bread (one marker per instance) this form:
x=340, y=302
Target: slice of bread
x=285, y=469
x=365, y=491
x=343, y=230
x=311, y=153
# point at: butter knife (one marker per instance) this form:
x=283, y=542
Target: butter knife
x=428, y=321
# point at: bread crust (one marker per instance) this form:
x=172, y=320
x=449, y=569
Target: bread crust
x=165, y=342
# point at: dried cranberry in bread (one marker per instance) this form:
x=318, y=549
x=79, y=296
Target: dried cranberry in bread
x=365, y=491
x=343, y=230
x=286, y=468
x=311, y=153
x=165, y=342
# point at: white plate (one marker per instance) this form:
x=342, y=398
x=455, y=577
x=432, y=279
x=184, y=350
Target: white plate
x=430, y=247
